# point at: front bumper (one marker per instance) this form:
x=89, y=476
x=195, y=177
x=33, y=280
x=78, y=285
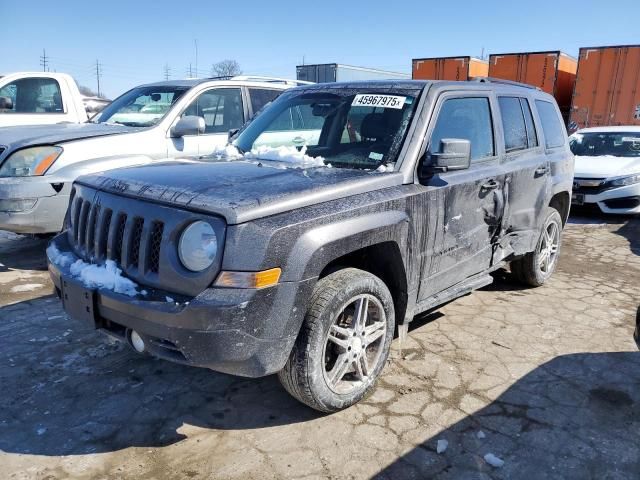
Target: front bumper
x=43, y=207
x=620, y=200
x=242, y=332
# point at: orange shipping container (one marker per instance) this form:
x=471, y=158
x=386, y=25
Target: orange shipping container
x=553, y=72
x=607, y=87
x=449, y=68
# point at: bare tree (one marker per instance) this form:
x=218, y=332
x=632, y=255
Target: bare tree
x=84, y=90
x=226, y=68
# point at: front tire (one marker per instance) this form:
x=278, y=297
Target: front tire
x=344, y=341
x=536, y=267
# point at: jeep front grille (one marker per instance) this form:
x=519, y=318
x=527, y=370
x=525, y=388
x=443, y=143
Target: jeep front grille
x=129, y=240
x=139, y=236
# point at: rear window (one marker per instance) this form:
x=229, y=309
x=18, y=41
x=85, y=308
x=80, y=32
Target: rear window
x=553, y=130
x=33, y=95
x=261, y=96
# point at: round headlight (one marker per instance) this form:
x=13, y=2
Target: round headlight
x=198, y=246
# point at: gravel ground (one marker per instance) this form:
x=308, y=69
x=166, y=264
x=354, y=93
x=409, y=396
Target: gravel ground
x=546, y=380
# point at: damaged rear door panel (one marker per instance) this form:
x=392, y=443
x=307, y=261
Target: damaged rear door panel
x=527, y=174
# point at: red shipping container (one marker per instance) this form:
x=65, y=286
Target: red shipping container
x=607, y=90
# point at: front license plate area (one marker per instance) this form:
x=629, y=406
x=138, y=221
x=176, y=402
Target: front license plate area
x=577, y=198
x=78, y=301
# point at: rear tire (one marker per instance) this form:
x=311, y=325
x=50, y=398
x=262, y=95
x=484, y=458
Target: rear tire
x=536, y=267
x=344, y=341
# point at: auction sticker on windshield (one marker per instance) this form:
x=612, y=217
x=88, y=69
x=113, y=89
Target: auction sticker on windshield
x=384, y=101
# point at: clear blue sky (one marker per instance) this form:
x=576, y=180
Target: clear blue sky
x=134, y=40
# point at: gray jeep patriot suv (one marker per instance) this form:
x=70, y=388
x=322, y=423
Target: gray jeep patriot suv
x=335, y=216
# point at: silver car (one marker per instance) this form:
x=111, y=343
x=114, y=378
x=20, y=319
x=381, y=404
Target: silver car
x=146, y=124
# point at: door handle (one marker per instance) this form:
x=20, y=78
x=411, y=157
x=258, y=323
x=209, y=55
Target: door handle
x=541, y=171
x=490, y=185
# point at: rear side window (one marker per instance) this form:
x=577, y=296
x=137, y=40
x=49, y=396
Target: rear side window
x=33, y=95
x=515, y=132
x=221, y=109
x=551, y=126
x=261, y=96
x=465, y=118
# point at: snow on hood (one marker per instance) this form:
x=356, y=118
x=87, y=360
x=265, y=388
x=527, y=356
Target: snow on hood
x=288, y=156
x=107, y=276
x=605, y=166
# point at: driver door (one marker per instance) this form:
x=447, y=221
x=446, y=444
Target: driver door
x=465, y=207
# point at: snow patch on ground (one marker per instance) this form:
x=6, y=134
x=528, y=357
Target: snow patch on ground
x=27, y=287
x=442, y=446
x=494, y=461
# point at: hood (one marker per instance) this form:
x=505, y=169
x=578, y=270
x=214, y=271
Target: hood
x=23, y=136
x=241, y=190
x=605, y=166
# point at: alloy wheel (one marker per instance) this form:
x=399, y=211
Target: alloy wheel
x=354, y=344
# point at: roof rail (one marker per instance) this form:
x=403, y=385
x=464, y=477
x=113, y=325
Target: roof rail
x=255, y=78
x=506, y=82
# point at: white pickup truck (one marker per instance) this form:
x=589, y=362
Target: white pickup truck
x=36, y=98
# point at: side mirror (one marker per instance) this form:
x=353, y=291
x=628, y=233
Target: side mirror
x=455, y=154
x=6, y=103
x=188, y=125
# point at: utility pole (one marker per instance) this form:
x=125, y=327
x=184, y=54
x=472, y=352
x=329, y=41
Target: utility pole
x=196, y=44
x=44, y=61
x=98, y=73
x=167, y=71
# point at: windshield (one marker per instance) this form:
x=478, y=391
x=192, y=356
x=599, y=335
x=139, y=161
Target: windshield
x=141, y=107
x=347, y=128
x=618, y=144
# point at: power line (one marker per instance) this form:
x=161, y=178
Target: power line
x=167, y=71
x=44, y=61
